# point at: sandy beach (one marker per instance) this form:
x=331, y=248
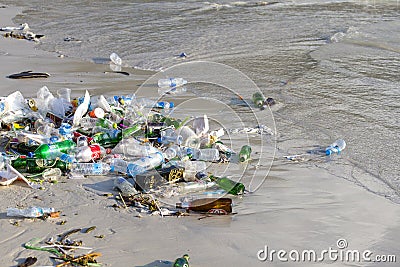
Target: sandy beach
x=298, y=207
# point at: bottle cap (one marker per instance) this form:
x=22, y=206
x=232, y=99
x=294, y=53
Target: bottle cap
x=328, y=152
x=31, y=154
x=159, y=139
x=171, y=104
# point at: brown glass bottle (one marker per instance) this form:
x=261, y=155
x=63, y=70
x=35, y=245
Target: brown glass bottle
x=207, y=204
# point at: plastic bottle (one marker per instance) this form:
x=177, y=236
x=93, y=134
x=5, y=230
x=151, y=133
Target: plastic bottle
x=65, y=131
x=244, y=153
x=258, y=99
x=228, y=185
x=336, y=147
x=223, y=148
x=207, y=204
x=130, y=147
x=182, y=262
x=115, y=59
x=171, y=82
x=206, y=154
x=89, y=122
x=126, y=188
x=52, y=151
x=99, y=168
x=31, y=212
x=88, y=153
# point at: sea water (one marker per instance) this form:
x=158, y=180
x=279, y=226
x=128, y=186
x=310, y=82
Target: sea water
x=333, y=66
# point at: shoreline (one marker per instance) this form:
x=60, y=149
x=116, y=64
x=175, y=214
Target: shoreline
x=297, y=207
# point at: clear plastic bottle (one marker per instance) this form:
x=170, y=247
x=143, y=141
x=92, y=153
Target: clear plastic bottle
x=190, y=187
x=171, y=82
x=126, y=188
x=115, y=59
x=206, y=154
x=130, y=147
x=31, y=212
x=336, y=147
x=192, y=168
x=99, y=168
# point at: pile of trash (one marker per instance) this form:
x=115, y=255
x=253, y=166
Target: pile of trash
x=149, y=155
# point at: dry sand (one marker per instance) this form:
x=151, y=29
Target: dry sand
x=298, y=207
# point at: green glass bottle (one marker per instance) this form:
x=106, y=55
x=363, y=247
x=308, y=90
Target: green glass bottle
x=258, y=99
x=228, y=185
x=52, y=151
x=244, y=153
x=32, y=165
x=182, y=262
